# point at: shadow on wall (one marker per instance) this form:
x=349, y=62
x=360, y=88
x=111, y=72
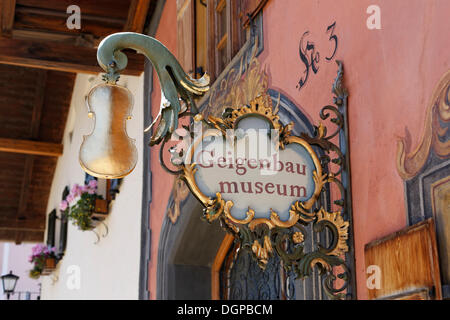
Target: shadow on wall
x=186, y=252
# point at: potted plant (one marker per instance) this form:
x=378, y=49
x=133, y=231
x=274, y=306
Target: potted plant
x=84, y=206
x=44, y=260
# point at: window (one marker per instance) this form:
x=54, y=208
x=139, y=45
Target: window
x=225, y=31
x=106, y=187
x=211, y=32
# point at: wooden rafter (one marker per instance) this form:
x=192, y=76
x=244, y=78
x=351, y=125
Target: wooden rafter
x=63, y=15
x=25, y=188
x=21, y=229
x=137, y=15
x=38, y=148
x=33, y=224
x=62, y=57
x=83, y=40
x=38, y=105
x=7, y=11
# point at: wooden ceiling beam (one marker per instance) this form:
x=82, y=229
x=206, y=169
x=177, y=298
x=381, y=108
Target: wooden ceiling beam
x=30, y=236
x=63, y=14
x=82, y=40
x=7, y=12
x=137, y=14
x=57, y=56
x=10, y=223
x=22, y=228
x=38, y=148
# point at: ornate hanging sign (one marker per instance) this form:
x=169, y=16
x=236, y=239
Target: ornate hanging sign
x=250, y=169
x=250, y=173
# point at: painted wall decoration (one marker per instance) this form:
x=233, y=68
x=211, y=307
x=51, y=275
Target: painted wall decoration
x=426, y=173
x=435, y=136
x=179, y=193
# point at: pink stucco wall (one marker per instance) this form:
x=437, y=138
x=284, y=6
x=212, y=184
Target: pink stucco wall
x=162, y=181
x=390, y=74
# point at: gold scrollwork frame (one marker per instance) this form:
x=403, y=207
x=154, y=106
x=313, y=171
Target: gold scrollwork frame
x=217, y=206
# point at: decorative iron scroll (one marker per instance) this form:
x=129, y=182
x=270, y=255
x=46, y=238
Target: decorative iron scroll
x=268, y=237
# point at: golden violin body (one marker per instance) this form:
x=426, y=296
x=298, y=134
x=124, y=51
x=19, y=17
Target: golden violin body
x=108, y=152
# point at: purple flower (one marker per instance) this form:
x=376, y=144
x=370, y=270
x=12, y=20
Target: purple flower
x=63, y=205
x=41, y=250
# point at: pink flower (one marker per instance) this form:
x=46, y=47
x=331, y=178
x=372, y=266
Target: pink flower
x=37, y=249
x=76, y=190
x=92, y=184
x=70, y=198
x=63, y=205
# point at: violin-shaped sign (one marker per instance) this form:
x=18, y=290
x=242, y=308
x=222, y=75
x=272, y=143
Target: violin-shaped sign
x=108, y=152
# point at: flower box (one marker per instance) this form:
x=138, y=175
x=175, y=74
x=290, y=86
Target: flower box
x=101, y=208
x=100, y=211
x=89, y=209
x=49, y=267
x=44, y=260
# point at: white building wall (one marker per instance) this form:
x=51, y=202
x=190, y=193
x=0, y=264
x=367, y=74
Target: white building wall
x=110, y=268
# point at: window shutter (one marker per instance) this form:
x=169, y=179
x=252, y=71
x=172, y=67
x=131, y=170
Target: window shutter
x=185, y=34
x=63, y=227
x=404, y=265
x=51, y=228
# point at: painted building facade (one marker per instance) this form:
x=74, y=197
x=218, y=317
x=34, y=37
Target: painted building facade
x=391, y=61
x=395, y=75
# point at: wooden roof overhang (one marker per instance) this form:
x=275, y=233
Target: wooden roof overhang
x=39, y=58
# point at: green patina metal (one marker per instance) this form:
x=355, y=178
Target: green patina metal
x=174, y=81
